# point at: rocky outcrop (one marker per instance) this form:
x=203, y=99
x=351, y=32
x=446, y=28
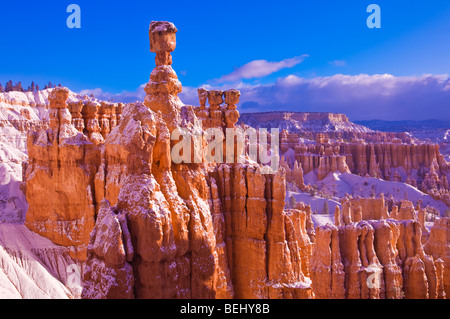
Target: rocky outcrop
x=108, y=273
x=202, y=230
x=327, y=270
x=63, y=159
x=102, y=178
x=218, y=116
x=369, y=208
x=163, y=88
x=438, y=246
x=294, y=175
x=357, y=209
x=60, y=178
x=417, y=163
x=374, y=259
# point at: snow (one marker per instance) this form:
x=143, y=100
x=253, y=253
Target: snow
x=336, y=185
x=259, y=120
x=17, y=108
x=32, y=267
x=295, y=285
x=12, y=153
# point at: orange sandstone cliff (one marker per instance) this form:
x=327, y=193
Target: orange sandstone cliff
x=195, y=230
x=101, y=177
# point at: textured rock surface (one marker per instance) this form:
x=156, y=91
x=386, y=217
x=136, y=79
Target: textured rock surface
x=196, y=230
x=374, y=259
x=377, y=259
x=21, y=112
x=32, y=267
x=101, y=178
x=387, y=156
x=59, y=178
x=438, y=246
x=108, y=274
x=200, y=231
x=218, y=116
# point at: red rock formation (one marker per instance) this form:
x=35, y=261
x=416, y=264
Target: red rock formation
x=376, y=157
x=163, y=88
x=438, y=246
x=211, y=230
x=217, y=116
x=410, y=246
x=197, y=230
x=327, y=270
x=387, y=233
x=75, y=109
x=368, y=208
x=90, y=112
x=108, y=274
x=380, y=258
x=294, y=175
x=231, y=114
x=59, y=178
x=416, y=285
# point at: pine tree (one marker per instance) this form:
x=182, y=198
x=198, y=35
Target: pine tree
x=37, y=87
x=33, y=86
x=1, y=88
x=45, y=87
x=325, y=209
x=19, y=87
x=9, y=86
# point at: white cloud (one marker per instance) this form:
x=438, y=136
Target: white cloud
x=363, y=96
x=260, y=68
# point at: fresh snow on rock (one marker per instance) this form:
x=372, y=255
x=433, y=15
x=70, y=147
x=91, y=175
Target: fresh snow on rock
x=32, y=267
x=336, y=185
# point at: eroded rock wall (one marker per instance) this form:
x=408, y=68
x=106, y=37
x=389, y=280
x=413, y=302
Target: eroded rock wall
x=374, y=259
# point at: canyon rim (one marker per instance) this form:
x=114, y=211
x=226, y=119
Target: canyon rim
x=105, y=200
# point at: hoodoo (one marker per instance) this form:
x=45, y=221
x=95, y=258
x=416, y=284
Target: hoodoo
x=101, y=180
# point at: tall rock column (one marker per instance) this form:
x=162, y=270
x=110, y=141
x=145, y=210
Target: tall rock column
x=438, y=246
x=231, y=114
x=77, y=118
x=163, y=87
x=327, y=270
x=59, y=178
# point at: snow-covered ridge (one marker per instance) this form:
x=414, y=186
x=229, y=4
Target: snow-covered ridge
x=34, y=99
x=302, y=121
x=32, y=267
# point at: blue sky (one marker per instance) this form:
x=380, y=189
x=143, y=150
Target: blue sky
x=218, y=43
